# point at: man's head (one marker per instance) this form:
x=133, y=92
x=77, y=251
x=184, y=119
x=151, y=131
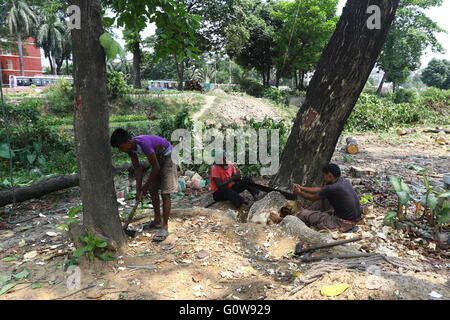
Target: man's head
x=331, y=172
x=121, y=139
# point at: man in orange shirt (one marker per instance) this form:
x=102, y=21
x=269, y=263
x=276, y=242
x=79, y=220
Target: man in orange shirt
x=227, y=183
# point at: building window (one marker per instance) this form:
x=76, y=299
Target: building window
x=9, y=65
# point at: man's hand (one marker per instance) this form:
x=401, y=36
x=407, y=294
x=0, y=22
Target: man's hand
x=297, y=189
x=236, y=177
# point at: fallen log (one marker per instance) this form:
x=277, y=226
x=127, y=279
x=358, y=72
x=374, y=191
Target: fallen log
x=403, y=132
x=352, y=146
x=41, y=188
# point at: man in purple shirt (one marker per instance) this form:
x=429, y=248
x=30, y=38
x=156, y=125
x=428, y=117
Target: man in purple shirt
x=163, y=175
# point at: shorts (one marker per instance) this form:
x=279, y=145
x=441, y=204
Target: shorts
x=167, y=180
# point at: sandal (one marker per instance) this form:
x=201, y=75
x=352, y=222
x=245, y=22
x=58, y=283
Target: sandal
x=161, y=235
x=151, y=226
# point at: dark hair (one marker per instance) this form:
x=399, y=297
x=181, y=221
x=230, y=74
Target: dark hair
x=333, y=169
x=119, y=137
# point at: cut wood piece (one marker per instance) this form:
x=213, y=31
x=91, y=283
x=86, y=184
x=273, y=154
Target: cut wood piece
x=403, y=132
x=358, y=172
x=437, y=130
x=441, y=138
x=297, y=228
x=39, y=189
x=352, y=146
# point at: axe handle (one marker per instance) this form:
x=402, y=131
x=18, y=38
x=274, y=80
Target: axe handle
x=329, y=245
x=131, y=216
x=288, y=195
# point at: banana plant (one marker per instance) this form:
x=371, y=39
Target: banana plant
x=404, y=195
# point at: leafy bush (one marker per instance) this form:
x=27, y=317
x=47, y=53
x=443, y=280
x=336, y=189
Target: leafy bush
x=252, y=87
x=405, y=96
x=116, y=84
x=374, y=113
x=276, y=95
x=437, y=100
x=59, y=98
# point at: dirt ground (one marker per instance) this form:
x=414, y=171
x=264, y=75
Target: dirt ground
x=216, y=257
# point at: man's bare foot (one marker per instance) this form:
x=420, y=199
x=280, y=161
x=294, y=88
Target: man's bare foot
x=275, y=217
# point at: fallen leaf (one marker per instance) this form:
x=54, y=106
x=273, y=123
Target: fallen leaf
x=333, y=291
x=30, y=255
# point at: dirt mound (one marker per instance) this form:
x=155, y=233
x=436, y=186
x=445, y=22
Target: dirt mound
x=239, y=110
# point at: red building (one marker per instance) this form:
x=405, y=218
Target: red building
x=10, y=64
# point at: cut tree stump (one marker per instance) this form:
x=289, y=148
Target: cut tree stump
x=352, y=146
x=41, y=188
x=441, y=138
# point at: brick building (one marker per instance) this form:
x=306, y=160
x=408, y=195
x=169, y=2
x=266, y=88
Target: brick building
x=10, y=64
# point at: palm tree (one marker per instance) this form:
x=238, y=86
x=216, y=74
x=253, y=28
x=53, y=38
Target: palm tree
x=51, y=38
x=20, y=20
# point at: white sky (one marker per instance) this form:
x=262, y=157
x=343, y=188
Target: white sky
x=438, y=14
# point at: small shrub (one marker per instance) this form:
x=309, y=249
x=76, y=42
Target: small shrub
x=405, y=96
x=252, y=87
x=58, y=98
x=116, y=84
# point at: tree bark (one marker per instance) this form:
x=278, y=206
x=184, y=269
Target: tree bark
x=137, y=65
x=20, y=48
x=380, y=87
x=95, y=169
x=341, y=74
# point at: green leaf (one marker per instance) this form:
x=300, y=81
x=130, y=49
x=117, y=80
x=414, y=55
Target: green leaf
x=111, y=46
x=9, y=259
x=21, y=275
x=5, y=151
x=444, y=195
x=79, y=252
x=31, y=158
x=395, y=183
x=432, y=201
x=36, y=285
x=42, y=160
x=7, y=287
x=5, y=278
x=403, y=197
x=72, y=212
x=106, y=257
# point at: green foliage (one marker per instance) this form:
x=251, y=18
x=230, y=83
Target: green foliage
x=252, y=87
x=72, y=217
x=8, y=281
x=401, y=189
x=405, y=96
x=411, y=34
x=116, y=84
x=437, y=74
x=94, y=247
x=373, y=113
x=366, y=199
x=112, y=47
x=436, y=100
x=59, y=98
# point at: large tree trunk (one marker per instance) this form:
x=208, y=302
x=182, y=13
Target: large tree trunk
x=341, y=74
x=95, y=170
x=137, y=65
x=20, y=48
